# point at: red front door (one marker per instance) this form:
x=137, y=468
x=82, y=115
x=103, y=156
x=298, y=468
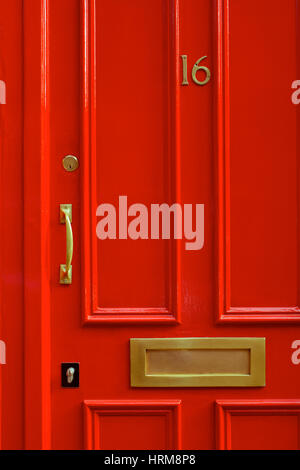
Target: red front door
x=150, y=341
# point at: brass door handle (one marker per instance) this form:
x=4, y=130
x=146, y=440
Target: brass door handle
x=65, y=276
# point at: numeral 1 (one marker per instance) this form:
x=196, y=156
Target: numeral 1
x=184, y=70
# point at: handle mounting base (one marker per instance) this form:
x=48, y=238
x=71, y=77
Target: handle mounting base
x=64, y=277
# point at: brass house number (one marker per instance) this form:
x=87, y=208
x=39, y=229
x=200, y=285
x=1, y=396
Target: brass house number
x=196, y=68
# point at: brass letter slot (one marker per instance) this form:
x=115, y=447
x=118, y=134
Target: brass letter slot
x=197, y=362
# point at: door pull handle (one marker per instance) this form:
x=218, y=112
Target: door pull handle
x=65, y=276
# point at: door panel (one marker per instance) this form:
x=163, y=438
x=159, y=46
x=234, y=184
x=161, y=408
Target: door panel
x=258, y=162
x=129, y=133
x=142, y=134
x=104, y=81
x=258, y=425
x=157, y=423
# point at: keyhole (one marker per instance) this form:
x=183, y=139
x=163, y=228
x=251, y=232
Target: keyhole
x=70, y=163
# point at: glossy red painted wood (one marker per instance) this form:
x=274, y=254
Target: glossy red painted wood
x=11, y=233
x=141, y=424
x=102, y=80
x=37, y=225
x=126, y=158
x=257, y=221
x=258, y=425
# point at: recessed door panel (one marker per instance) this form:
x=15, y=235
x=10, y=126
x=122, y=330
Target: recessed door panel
x=129, y=139
x=258, y=160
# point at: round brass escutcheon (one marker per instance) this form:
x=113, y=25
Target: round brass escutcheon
x=70, y=163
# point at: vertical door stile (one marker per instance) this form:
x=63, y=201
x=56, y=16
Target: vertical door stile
x=36, y=225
